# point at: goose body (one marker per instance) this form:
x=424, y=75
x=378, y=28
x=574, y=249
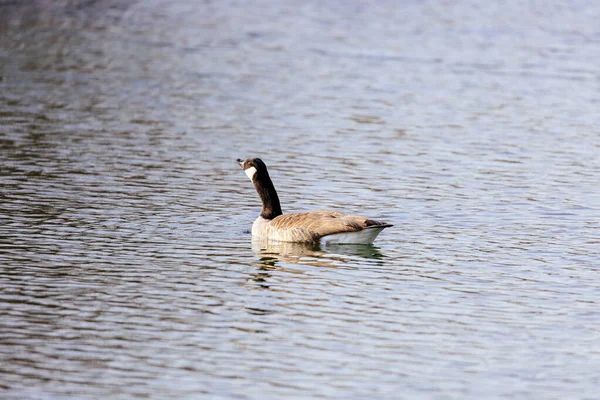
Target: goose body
x=322, y=226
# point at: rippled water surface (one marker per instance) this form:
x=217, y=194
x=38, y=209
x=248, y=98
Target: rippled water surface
x=126, y=264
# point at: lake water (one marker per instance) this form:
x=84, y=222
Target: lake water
x=126, y=264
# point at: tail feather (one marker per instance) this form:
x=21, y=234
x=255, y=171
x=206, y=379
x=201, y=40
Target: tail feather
x=371, y=223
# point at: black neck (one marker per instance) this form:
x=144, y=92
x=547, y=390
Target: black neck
x=268, y=195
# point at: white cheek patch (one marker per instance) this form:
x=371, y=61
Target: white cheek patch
x=250, y=172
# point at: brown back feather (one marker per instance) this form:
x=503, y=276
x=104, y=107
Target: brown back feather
x=321, y=223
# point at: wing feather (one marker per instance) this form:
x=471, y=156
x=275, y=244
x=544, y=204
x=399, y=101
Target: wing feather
x=317, y=224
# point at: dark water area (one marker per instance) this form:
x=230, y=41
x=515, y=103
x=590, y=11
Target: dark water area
x=126, y=264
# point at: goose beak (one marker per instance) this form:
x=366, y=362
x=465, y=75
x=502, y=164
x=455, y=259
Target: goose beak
x=240, y=162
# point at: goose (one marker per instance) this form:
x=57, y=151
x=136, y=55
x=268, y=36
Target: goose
x=321, y=226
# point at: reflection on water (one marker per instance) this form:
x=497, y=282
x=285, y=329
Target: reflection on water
x=126, y=266
x=273, y=253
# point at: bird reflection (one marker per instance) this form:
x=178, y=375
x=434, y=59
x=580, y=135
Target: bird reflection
x=272, y=254
x=281, y=256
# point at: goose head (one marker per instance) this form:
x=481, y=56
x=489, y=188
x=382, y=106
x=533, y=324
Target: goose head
x=252, y=167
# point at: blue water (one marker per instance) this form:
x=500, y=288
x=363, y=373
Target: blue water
x=126, y=265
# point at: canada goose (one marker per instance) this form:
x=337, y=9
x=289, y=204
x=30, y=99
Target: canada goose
x=309, y=227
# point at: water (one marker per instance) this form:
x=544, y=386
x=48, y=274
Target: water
x=127, y=267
